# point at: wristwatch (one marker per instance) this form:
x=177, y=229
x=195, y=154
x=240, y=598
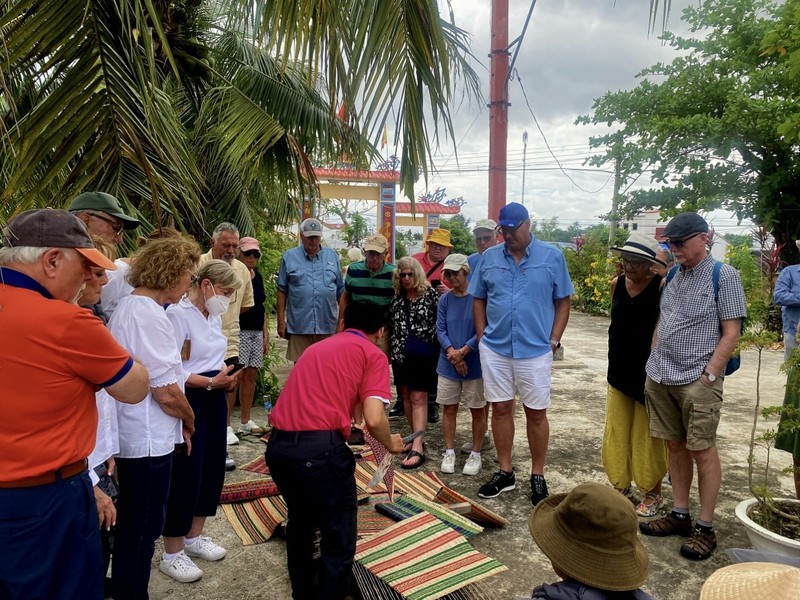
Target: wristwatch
x=210, y=385
x=710, y=376
x=555, y=344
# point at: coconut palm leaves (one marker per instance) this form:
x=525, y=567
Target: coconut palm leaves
x=184, y=107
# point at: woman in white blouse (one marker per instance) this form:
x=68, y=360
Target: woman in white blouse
x=197, y=478
x=160, y=274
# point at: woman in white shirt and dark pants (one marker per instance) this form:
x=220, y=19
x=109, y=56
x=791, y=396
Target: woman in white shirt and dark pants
x=197, y=477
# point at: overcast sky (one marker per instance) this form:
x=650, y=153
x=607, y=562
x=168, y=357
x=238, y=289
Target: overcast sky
x=573, y=52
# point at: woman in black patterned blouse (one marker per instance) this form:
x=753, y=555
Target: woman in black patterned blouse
x=415, y=348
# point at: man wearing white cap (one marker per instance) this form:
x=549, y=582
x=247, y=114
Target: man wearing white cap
x=485, y=232
x=309, y=286
x=55, y=356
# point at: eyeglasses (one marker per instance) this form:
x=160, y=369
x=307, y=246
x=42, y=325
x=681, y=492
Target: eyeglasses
x=406, y=275
x=485, y=238
x=251, y=253
x=118, y=227
x=680, y=243
x=506, y=230
x=633, y=263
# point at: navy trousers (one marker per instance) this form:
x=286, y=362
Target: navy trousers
x=314, y=470
x=143, y=487
x=50, y=542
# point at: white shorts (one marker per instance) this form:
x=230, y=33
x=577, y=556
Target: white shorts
x=450, y=391
x=504, y=377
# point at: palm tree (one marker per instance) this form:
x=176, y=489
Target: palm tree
x=199, y=108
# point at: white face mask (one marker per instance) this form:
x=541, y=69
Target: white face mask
x=217, y=305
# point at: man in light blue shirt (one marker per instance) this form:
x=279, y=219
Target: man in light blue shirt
x=522, y=295
x=485, y=233
x=309, y=286
x=787, y=295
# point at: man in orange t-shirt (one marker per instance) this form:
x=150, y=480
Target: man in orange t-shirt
x=54, y=356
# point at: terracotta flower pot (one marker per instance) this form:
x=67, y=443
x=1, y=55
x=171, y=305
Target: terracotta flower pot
x=763, y=539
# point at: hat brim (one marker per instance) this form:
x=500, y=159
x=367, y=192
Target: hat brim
x=97, y=258
x=312, y=234
x=127, y=222
x=440, y=242
x=371, y=248
x=638, y=254
x=511, y=223
x=477, y=229
x=617, y=572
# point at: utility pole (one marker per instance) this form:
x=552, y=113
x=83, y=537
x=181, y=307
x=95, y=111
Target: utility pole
x=612, y=220
x=524, y=158
x=498, y=108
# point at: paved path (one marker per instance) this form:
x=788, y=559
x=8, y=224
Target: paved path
x=576, y=421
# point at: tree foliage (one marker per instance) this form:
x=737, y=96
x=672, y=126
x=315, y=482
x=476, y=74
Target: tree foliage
x=460, y=234
x=215, y=107
x=705, y=127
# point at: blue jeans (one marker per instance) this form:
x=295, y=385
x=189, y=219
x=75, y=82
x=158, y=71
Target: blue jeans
x=143, y=491
x=314, y=470
x=50, y=542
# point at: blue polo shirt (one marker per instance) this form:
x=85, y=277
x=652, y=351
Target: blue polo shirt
x=312, y=287
x=519, y=297
x=787, y=295
x=472, y=261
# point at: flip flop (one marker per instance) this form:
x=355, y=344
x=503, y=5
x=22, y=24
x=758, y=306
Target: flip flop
x=419, y=463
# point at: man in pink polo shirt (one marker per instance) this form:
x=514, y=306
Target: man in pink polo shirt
x=307, y=454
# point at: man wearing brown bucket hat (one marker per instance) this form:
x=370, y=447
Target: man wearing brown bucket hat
x=590, y=537
x=54, y=357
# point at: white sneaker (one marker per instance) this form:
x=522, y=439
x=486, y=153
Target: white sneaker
x=181, y=568
x=472, y=466
x=250, y=428
x=487, y=444
x=232, y=439
x=204, y=548
x=448, y=463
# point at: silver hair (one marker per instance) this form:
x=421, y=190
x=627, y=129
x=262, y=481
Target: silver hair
x=229, y=227
x=218, y=272
x=25, y=255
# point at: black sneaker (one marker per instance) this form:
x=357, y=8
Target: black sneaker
x=229, y=464
x=433, y=413
x=499, y=483
x=538, y=489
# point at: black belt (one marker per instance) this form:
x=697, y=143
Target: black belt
x=306, y=437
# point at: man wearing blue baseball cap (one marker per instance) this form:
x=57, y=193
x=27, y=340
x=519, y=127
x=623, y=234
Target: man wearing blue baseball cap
x=522, y=295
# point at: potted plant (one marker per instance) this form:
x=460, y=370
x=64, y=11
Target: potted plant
x=772, y=524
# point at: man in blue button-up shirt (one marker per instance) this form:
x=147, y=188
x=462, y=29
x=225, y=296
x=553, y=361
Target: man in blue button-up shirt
x=309, y=286
x=522, y=295
x=787, y=295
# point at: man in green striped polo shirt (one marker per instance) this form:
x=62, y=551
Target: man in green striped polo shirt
x=370, y=279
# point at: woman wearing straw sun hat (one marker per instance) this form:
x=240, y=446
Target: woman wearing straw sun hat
x=591, y=538
x=629, y=452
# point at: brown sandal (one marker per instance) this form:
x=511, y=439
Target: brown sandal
x=700, y=545
x=665, y=526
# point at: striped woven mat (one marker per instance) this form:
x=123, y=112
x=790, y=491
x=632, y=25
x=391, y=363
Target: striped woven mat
x=370, y=521
x=409, y=505
x=248, y=490
x=259, y=466
x=421, y=558
x=255, y=521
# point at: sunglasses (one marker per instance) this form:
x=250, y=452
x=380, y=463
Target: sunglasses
x=633, y=263
x=406, y=275
x=681, y=243
x=251, y=253
x=505, y=230
x=118, y=227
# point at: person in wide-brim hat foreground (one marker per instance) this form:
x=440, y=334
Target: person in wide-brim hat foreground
x=590, y=536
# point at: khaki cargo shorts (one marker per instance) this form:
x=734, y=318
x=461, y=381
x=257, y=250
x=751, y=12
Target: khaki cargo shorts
x=684, y=412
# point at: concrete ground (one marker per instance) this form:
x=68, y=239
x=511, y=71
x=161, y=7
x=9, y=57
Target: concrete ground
x=576, y=427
